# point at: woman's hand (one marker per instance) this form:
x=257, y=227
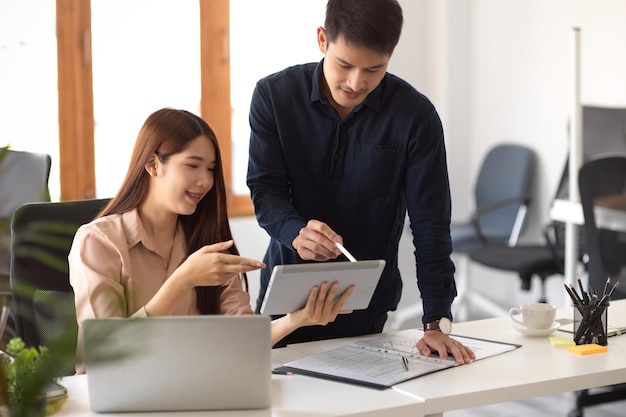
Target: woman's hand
x=208, y=266
x=211, y=266
x=321, y=308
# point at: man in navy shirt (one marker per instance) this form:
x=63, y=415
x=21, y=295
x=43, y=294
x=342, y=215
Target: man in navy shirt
x=340, y=150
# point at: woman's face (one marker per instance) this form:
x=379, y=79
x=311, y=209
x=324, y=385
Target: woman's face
x=185, y=178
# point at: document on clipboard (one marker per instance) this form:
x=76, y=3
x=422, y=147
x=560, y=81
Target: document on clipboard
x=385, y=361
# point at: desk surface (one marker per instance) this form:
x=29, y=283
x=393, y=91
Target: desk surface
x=536, y=369
x=294, y=395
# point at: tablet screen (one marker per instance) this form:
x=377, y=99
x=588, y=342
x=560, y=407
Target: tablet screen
x=290, y=285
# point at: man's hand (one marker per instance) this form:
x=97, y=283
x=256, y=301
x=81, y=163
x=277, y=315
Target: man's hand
x=436, y=341
x=316, y=242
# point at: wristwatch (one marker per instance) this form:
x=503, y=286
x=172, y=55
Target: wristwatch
x=444, y=325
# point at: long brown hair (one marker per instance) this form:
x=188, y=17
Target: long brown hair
x=165, y=132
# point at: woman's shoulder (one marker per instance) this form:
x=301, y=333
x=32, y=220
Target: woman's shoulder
x=108, y=222
x=109, y=227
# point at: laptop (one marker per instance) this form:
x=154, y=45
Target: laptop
x=179, y=363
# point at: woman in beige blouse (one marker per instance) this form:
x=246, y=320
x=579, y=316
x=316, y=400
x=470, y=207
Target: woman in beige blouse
x=163, y=245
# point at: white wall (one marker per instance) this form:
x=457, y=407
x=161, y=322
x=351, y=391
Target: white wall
x=518, y=67
x=498, y=70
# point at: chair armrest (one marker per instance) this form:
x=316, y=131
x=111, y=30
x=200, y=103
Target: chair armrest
x=489, y=208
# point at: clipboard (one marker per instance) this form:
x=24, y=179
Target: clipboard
x=384, y=361
x=290, y=285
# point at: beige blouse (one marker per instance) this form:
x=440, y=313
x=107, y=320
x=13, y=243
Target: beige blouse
x=115, y=270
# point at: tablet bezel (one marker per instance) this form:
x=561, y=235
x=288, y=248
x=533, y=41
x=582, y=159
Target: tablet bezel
x=290, y=285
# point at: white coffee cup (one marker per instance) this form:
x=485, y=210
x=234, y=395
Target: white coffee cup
x=535, y=316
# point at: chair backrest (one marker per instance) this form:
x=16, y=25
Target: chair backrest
x=23, y=179
x=602, y=184
x=41, y=238
x=505, y=175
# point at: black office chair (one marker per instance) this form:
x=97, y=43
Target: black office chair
x=542, y=260
x=602, y=184
x=43, y=299
x=528, y=261
x=502, y=195
x=23, y=179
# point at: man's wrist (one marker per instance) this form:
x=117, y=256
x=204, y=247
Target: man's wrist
x=444, y=325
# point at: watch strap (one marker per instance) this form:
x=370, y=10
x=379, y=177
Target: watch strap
x=433, y=325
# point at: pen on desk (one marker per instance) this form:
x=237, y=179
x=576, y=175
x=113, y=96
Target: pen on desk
x=405, y=361
x=345, y=252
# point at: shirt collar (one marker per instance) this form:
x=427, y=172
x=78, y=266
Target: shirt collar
x=135, y=234
x=134, y=231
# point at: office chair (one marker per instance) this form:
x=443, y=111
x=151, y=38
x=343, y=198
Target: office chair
x=43, y=299
x=502, y=195
x=602, y=186
x=542, y=260
x=23, y=179
x=528, y=261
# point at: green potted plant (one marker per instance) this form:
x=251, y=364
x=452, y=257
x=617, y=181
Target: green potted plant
x=20, y=367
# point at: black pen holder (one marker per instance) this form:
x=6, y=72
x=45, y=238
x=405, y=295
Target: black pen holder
x=590, y=324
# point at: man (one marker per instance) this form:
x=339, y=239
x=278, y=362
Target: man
x=339, y=151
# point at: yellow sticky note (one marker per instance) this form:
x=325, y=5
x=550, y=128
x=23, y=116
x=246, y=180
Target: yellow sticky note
x=561, y=341
x=587, y=349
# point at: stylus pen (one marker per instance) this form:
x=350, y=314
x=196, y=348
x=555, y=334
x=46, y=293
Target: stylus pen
x=345, y=252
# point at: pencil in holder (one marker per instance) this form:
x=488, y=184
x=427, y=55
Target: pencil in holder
x=590, y=324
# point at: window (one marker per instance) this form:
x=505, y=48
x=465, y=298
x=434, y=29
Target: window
x=136, y=72
x=179, y=53
x=266, y=37
x=28, y=81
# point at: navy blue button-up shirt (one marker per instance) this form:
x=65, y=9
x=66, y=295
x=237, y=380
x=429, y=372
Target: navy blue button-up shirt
x=360, y=175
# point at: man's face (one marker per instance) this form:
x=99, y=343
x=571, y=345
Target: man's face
x=351, y=73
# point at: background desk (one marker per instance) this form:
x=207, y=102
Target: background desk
x=536, y=369
x=612, y=218
x=609, y=215
x=297, y=396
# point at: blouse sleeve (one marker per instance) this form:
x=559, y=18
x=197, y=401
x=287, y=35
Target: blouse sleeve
x=234, y=300
x=95, y=266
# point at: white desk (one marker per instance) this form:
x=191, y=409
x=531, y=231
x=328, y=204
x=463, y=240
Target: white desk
x=295, y=395
x=572, y=212
x=536, y=369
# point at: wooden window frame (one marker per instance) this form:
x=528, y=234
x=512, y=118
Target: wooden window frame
x=76, y=119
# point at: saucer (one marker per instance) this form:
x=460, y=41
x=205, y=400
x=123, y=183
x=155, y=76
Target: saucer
x=539, y=332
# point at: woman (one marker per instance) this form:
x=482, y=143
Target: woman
x=163, y=245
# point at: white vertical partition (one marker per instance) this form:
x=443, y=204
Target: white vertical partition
x=575, y=155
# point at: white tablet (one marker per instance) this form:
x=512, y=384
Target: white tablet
x=290, y=285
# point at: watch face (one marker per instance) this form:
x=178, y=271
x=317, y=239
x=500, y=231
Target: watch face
x=445, y=325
